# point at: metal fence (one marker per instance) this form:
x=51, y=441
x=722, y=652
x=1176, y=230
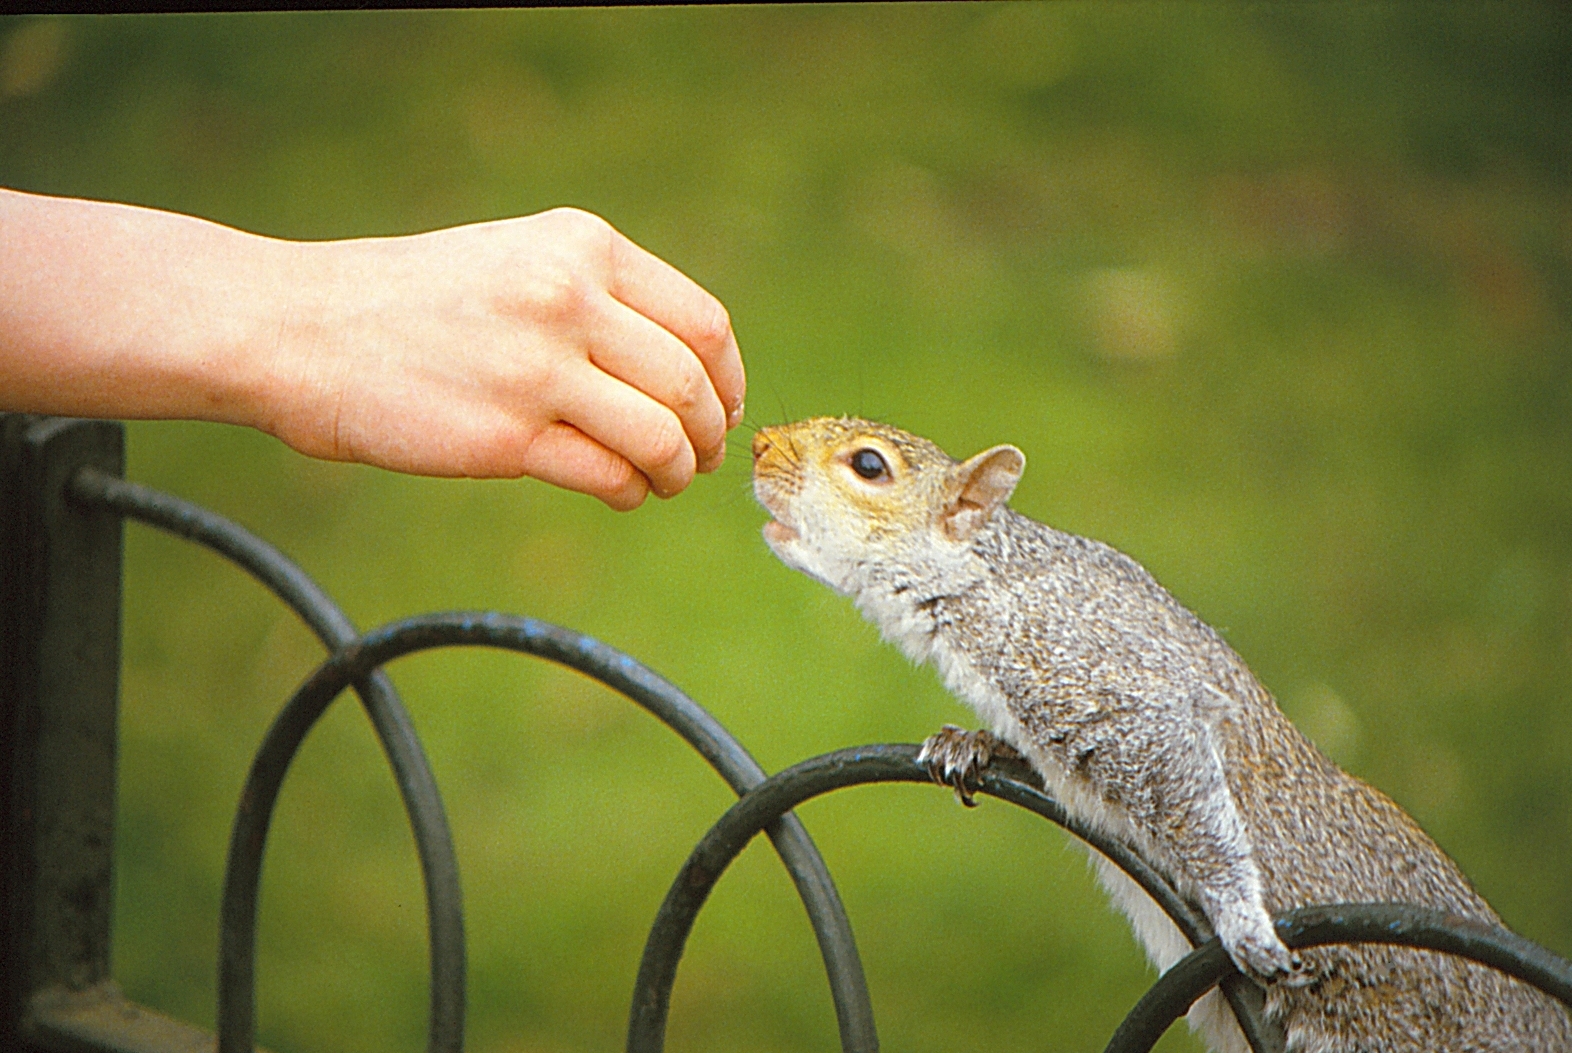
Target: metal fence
x=62, y=502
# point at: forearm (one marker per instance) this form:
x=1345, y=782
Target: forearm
x=116, y=311
x=1165, y=769
x=546, y=345
x=1161, y=768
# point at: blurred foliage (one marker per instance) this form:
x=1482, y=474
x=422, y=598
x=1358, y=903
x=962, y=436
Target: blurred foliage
x=1275, y=298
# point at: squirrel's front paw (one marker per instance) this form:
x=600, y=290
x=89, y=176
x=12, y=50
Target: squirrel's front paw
x=1259, y=954
x=955, y=758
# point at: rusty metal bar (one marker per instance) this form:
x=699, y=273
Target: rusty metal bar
x=59, y=682
x=101, y=1020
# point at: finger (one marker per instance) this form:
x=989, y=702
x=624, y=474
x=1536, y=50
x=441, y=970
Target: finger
x=564, y=456
x=628, y=422
x=638, y=352
x=676, y=303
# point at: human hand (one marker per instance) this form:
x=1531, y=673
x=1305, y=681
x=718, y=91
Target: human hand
x=549, y=346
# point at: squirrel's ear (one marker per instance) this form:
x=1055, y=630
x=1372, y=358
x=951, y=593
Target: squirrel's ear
x=977, y=487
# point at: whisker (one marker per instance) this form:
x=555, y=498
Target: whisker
x=795, y=457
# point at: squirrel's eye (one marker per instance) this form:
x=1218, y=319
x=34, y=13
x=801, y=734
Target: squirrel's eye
x=870, y=465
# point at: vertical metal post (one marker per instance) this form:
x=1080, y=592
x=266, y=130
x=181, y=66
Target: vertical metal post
x=59, y=683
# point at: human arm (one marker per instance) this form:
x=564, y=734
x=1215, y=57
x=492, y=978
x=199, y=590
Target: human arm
x=549, y=345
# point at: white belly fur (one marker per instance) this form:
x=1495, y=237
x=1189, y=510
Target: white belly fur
x=1164, y=943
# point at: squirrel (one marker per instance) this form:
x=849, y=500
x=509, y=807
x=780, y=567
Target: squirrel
x=1146, y=724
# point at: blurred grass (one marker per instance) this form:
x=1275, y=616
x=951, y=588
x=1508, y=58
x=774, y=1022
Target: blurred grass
x=1275, y=298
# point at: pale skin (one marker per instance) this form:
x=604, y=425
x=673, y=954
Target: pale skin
x=549, y=345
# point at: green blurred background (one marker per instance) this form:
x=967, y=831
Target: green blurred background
x=1275, y=298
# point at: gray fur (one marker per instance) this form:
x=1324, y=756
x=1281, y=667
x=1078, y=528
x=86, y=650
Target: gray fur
x=1126, y=689
x=1145, y=722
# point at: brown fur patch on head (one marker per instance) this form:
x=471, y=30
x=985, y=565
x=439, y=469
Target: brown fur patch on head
x=838, y=435
x=819, y=454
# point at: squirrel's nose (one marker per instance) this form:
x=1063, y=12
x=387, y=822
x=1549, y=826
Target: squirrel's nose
x=760, y=444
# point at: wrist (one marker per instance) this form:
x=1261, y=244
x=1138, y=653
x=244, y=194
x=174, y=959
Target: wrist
x=260, y=352
x=292, y=383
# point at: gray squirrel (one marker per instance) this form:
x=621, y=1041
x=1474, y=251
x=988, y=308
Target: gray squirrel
x=1144, y=722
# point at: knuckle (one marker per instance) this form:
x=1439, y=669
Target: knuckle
x=692, y=385
x=582, y=219
x=562, y=295
x=714, y=324
x=583, y=228
x=666, y=443
x=621, y=485
x=617, y=476
x=569, y=273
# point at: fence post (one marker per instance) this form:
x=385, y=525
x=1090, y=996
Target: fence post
x=59, y=686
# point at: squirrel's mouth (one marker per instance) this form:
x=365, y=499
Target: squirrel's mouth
x=767, y=490
x=777, y=532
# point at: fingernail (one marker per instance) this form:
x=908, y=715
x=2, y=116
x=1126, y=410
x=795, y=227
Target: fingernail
x=734, y=418
x=713, y=459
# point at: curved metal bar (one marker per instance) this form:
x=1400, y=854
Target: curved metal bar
x=611, y=667
x=389, y=718
x=1421, y=927
x=1010, y=781
x=229, y=539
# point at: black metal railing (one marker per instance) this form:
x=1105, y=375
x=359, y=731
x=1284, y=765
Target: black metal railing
x=62, y=501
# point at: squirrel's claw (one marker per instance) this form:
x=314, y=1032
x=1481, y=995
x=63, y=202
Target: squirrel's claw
x=1263, y=957
x=955, y=758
